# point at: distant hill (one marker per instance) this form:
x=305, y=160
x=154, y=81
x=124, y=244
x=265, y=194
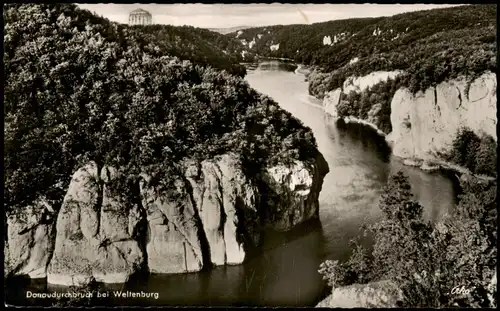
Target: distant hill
x=432, y=45
x=229, y=29
x=195, y=44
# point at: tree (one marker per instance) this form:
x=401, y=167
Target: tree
x=449, y=264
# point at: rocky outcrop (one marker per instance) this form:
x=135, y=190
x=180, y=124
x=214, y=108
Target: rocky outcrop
x=382, y=294
x=227, y=204
x=173, y=238
x=213, y=216
x=295, y=190
x=359, y=84
x=30, y=241
x=94, y=232
x=330, y=102
x=425, y=124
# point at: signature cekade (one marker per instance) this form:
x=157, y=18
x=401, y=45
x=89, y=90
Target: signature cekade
x=461, y=290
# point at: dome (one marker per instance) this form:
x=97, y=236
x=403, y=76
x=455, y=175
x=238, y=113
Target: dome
x=140, y=17
x=139, y=11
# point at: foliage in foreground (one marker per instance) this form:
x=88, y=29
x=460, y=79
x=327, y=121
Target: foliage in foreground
x=429, y=263
x=81, y=89
x=476, y=153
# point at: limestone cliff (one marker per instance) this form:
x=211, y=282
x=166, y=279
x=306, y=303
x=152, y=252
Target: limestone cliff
x=214, y=217
x=424, y=124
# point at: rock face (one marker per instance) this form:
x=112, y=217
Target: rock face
x=173, y=243
x=382, y=294
x=296, y=190
x=222, y=195
x=359, y=84
x=94, y=238
x=330, y=102
x=425, y=124
x=214, y=216
x=30, y=242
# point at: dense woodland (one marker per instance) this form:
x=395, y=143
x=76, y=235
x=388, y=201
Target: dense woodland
x=79, y=88
x=431, y=45
x=476, y=153
x=198, y=45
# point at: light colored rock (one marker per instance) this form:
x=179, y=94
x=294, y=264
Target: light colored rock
x=212, y=215
x=327, y=40
x=428, y=167
x=30, y=241
x=382, y=294
x=492, y=290
x=358, y=84
x=412, y=162
x=252, y=43
x=424, y=125
x=330, y=102
x=222, y=193
x=275, y=47
x=354, y=60
x=294, y=191
x=173, y=243
x=351, y=119
x=92, y=239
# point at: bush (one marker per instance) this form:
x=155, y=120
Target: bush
x=355, y=270
x=476, y=153
x=426, y=262
x=360, y=105
x=486, y=157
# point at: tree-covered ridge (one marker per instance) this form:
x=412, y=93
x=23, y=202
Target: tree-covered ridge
x=426, y=62
x=431, y=45
x=198, y=45
x=78, y=88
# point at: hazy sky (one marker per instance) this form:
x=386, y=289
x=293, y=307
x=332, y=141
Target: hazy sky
x=230, y=15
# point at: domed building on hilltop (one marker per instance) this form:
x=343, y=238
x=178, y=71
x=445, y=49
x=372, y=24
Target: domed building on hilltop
x=140, y=17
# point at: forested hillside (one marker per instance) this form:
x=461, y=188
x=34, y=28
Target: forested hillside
x=198, y=45
x=187, y=43
x=430, y=45
x=80, y=88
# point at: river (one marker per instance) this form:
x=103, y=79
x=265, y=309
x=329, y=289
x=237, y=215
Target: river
x=285, y=274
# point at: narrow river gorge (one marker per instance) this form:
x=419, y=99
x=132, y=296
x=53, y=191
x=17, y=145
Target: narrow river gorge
x=285, y=274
